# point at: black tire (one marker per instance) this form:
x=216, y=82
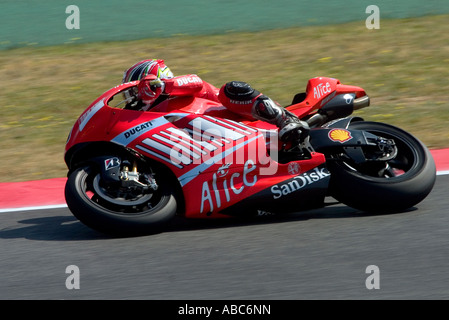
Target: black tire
x=111, y=218
x=365, y=187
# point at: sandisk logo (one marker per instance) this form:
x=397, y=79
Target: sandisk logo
x=299, y=182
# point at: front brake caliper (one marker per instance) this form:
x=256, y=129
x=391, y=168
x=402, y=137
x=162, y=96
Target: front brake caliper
x=131, y=179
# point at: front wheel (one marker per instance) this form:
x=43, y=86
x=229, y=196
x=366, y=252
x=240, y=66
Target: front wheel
x=395, y=184
x=115, y=209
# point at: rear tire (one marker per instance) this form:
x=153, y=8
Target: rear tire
x=357, y=186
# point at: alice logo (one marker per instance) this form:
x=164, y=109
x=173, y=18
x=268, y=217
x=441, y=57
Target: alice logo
x=73, y=20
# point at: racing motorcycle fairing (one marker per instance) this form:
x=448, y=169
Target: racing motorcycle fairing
x=325, y=93
x=289, y=192
x=131, y=171
x=217, y=161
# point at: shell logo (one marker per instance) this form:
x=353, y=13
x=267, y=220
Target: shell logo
x=340, y=135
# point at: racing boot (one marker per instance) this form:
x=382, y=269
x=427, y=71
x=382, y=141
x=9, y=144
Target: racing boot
x=241, y=98
x=291, y=129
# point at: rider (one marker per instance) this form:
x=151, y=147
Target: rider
x=156, y=81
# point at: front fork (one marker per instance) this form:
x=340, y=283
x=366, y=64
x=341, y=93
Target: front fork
x=131, y=179
x=116, y=171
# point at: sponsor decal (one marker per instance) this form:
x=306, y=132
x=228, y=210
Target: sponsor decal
x=348, y=98
x=299, y=182
x=111, y=163
x=188, y=79
x=321, y=90
x=210, y=192
x=223, y=170
x=240, y=102
x=262, y=213
x=137, y=129
x=129, y=135
x=340, y=135
x=293, y=168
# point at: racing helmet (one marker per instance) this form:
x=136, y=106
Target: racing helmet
x=142, y=69
x=145, y=68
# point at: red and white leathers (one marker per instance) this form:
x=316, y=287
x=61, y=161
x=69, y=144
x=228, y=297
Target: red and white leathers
x=155, y=79
x=151, y=87
x=241, y=98
x=190, y=85
x=236, y=96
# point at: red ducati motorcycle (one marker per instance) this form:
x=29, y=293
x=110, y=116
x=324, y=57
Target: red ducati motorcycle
x=132, y=171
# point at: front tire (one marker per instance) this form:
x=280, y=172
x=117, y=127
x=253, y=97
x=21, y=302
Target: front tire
x=122, y=217
x=390, y=186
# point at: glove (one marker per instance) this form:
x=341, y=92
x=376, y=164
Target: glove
x=149, y=88
x=157, y=85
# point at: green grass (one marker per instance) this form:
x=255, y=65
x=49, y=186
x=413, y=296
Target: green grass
x=404, y=67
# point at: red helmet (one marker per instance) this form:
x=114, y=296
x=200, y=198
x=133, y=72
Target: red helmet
x=146, y=67
x=151, y=67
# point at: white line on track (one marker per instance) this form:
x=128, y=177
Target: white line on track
x=55, y=206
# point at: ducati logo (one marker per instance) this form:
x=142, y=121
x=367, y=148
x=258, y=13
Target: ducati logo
x=340, y=135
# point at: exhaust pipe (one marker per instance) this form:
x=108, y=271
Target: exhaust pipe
x=361, y=102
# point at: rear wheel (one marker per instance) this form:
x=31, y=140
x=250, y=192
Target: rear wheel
x=120, y=208
x=392, y=180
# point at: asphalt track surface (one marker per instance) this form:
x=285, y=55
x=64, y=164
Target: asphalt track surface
x=319, y=254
